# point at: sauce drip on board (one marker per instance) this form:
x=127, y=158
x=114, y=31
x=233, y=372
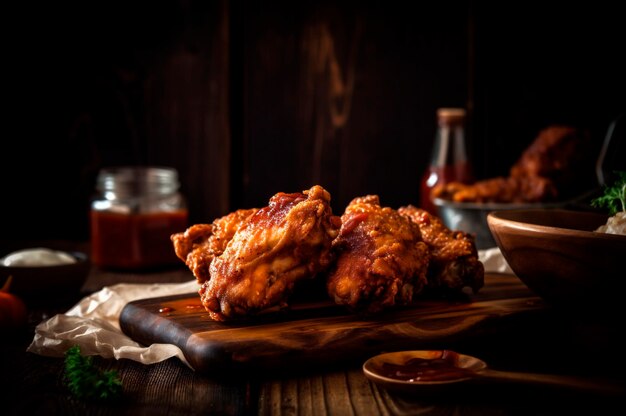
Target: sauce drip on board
x=185, y=306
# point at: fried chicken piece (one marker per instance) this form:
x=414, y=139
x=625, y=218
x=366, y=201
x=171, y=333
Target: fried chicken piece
x=556, y=165
x=279, y=245
x=381, y=258
x=201, y=243
x=555, y=154
x=454, y=260
x=499, y=189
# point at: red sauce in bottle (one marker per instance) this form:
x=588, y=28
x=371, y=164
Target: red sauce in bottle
x=449, y=161
x=439, y=175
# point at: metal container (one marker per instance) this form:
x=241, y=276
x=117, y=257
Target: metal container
x=471, y=217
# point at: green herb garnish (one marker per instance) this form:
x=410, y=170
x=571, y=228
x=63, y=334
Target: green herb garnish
x=86, y=381
x=613, y=196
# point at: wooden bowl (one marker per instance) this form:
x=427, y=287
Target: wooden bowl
x=557, y=254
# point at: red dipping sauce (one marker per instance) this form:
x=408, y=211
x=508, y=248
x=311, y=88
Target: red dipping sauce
x=136, y=211
x=417, y=369
x=135, y=241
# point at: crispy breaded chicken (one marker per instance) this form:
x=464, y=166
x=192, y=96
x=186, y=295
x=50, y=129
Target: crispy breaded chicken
x=500, y=189
x=201, y=243
x=272, y=249
x=381, y=258
x=553, y=167
x=454, y=260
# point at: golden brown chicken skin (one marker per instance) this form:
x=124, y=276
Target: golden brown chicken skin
x=554, y=166
x=556, y=153
x=381, y=259
x=522, y=189
x=201, y=243
x=287, y=241
x=454, y=260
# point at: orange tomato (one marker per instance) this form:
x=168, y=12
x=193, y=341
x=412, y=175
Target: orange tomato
x=13, y=311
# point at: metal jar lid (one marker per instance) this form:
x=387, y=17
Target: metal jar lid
x=134, y=180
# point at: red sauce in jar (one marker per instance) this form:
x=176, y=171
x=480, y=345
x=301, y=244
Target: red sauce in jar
x=135, y=241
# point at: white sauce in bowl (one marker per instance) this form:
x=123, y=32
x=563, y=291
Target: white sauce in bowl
x=37, y=257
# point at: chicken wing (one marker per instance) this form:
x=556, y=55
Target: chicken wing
x=500, y=189
x=201, y=243
x=381, y=259
x=454, y=260
x=556, y=165
x=274, y=248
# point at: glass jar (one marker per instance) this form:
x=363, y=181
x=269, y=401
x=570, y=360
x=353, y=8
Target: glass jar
x=133, y=215
x=449, y=161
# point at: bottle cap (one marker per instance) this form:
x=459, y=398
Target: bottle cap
x=451, y=115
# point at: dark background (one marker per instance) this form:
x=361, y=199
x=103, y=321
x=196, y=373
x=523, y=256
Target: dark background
x=248, y=98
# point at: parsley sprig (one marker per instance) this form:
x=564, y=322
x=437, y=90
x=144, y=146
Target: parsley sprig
x=614, y=196
x=86, y=381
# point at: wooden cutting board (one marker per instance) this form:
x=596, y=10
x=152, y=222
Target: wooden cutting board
x=317, y=333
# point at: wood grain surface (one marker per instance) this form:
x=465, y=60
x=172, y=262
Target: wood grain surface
x=313, y=334
x=578, y=343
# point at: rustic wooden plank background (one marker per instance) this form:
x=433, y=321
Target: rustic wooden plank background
x=346, y=95
x=249, y=98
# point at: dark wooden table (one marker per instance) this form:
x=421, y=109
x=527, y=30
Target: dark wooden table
x=577, y=342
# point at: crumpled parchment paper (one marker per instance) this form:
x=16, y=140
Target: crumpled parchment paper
x=93, y=323
x=494, y=261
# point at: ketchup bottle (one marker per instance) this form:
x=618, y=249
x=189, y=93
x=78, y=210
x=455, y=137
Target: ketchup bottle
x=449, y=161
